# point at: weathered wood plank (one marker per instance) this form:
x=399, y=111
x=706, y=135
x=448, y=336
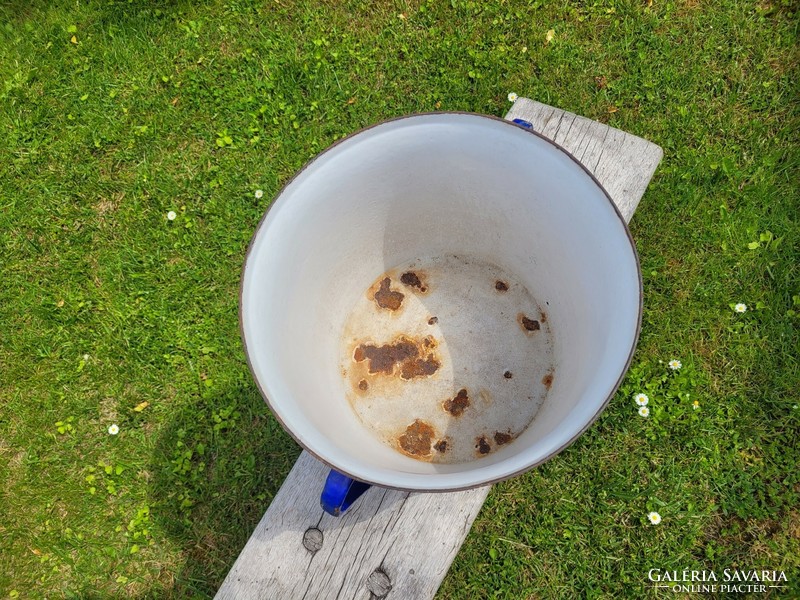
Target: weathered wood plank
x=621, y=162
x=399, y=544
x=388, y=540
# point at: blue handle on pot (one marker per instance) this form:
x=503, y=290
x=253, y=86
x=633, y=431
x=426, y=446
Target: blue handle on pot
x=523, y=123
x=340, y=492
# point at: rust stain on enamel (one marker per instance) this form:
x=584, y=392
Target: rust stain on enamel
x=414, y=359
x=413, y=280
x=417, y=439
x=456, y=406
x=387, y=298
x=528, y=325
x=502, y=438
x=547, y=380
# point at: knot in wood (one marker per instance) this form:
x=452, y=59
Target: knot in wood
x=379, y=583
x=312, y=539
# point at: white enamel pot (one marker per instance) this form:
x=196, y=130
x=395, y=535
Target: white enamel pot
x=460, y=198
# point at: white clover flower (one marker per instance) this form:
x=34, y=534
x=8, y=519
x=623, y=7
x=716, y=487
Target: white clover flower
x=171, y=215
x=85, y=357
x=259, y=194
x=644, y=411
x=654, y=518
x=113, y=429
x=675, y=364
x=512, y=97
x=740, y=308
x=641, y=399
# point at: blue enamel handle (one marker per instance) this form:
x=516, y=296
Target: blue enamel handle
x=340, y=492
x=523, y=123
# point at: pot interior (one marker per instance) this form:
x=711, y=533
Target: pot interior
x=463, y=203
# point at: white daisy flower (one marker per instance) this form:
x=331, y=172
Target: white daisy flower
x=654, y=518
x=113, y=429
x=740, y=308
x=259, y=194
x=695, y=405
x=641, y=399
x=512, y=97
x=644, y=411
x=675, y=364
x=171, y=215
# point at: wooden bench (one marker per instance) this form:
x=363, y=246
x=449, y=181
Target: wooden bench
x=399, y=544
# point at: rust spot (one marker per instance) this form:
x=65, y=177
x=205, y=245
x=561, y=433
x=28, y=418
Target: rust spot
x=433, y=320
x=419, y=367
x=528, y=324
x=382, y=359
x=543, y=318
x=441, y=446
x=429, y=342
x=403, y=352
x=411, y=279
x=482, y=445
x=416, y=441
x=501, y=286
x=547, y=380
x=386, y=298
x=363, y=385
x=457, y=405
x=502, y=438
x=508, y=375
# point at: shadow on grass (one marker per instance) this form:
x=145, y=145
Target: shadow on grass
x=215, y=469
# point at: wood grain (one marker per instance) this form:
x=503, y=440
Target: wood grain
x=392, y=544
x=388, y=542
x=621, y=162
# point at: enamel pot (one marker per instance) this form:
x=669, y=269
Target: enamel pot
x=439, y=302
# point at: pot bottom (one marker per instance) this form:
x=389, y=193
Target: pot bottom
x=447, y=359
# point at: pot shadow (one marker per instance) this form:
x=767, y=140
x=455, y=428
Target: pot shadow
x=215, y=469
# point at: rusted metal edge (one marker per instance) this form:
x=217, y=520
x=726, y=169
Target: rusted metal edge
x=510, y=124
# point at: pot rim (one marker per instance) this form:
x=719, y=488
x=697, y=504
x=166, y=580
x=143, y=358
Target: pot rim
x=518, y=472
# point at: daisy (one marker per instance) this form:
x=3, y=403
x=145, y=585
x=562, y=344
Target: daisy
x=644, y=411
x=171, y=215
x=675, y=364
x=740, y=308
x=695, y=405
x=641, y=399
x=654, y=518
x=113, y=429
x=512, y=97
x=259, y=194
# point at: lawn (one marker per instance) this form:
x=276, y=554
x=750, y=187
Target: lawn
x=114, y=113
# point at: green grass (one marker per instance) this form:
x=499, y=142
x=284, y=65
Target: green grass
x=159, y=106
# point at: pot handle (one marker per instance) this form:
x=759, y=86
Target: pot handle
x=340, y=492
x=523, y=123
